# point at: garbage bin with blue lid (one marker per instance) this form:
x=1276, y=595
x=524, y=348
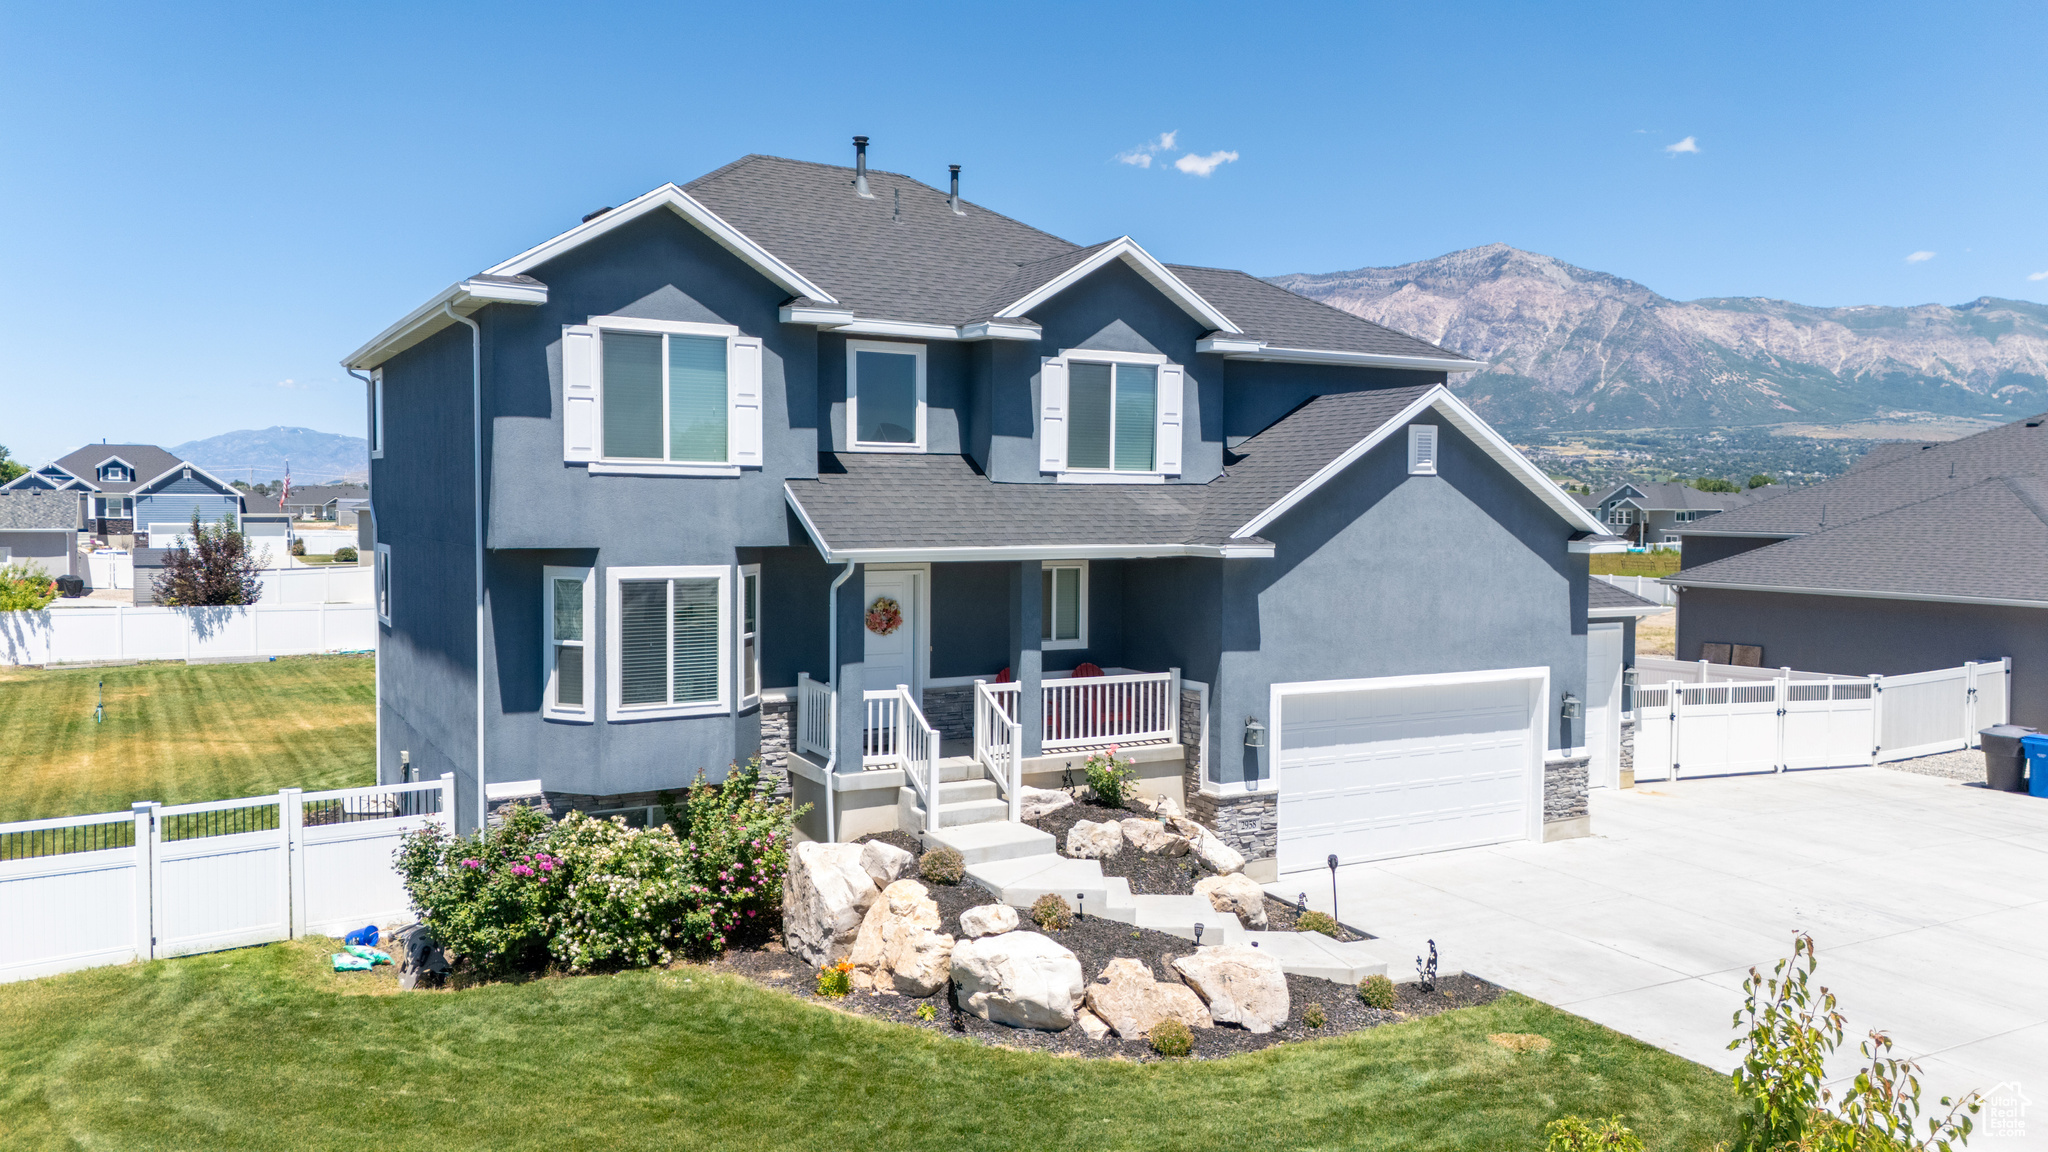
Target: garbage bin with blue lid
x=2036, y=750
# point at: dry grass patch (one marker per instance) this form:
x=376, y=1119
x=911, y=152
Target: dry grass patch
x=1657, y=635
x=1519, y=1041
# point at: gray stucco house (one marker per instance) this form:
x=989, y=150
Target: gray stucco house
x=742, y=456
x=131, y=486
x=1649, y=512
x=1928, y=557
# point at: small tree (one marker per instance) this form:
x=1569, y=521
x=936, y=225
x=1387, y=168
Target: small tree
x=1715, y=484
x=216, y=568
x=10, y=468
x=24, y=587
x=1759, y=480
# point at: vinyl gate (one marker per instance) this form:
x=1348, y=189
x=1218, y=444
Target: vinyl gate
x=1770, y=726
x=159, y=881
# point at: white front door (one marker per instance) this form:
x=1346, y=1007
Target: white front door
x=1603, y=705
x=1368, y=773
x=897, y=657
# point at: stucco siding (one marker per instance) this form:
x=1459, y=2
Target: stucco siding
x=54, y=552
x=1858, y=636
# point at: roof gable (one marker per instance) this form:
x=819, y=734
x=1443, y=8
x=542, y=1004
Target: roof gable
x=142, y=460
x=184, y=470
x=1060, y=273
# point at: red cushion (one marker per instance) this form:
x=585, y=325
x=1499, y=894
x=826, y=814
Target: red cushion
x=1088, y=670
x=1003, y=677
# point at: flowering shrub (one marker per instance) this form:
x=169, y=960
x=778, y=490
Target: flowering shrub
x=1111, y=778
x=735, y=855
x=835, y=980
x=25, y=587
x=626, y=895
x=1377, y=991
x=470, y=897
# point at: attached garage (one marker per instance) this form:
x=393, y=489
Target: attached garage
x=1371, y=769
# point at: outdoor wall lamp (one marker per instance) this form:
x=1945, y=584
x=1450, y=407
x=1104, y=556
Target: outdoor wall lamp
x=1572, y=707
x=1628, y=678
x=1254, y=733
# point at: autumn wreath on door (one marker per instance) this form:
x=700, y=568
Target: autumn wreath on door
x=884, y=616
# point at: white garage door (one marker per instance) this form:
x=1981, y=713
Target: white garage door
x=1373, y=772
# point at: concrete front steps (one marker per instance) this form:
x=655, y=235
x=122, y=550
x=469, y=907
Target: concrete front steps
x=1017, y=864
x=967, y=797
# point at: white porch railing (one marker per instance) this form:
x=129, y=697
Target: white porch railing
x=1097, y=711
x=1776, y=724
x=817, y=715
x=896, y=735
x=996, y=743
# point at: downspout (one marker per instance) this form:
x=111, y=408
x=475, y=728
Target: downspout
x=377, y=678
x=476, y=417
x=832, y=678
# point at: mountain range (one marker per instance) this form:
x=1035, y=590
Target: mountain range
x=258, y=455
x=1569, y=348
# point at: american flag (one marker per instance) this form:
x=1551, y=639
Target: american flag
x=283, y=495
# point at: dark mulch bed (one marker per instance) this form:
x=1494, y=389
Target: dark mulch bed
x=1096, y=942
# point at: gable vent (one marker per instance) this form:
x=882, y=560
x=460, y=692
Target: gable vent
x=1422, y=449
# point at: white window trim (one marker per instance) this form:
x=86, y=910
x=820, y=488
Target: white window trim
x=614, y=646
x=630, y=466
x=739, y=635
x=1082, y=641
x=380, y=584
x=1111, y=475
x=550, y=709
x=853, y=350
x=376, y=413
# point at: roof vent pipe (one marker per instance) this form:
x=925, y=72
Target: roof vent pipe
x=953, y=201
x=860, y=168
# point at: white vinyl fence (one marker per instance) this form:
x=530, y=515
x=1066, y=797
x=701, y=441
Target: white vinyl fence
x=157, y=881
x=321, y=585
x=98, y=635
x=1645, y=586
x=1784, y=722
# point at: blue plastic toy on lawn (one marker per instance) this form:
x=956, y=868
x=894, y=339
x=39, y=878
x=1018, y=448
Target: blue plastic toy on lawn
x=366, y=936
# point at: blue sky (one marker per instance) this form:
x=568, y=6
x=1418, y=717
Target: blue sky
x=205, y=207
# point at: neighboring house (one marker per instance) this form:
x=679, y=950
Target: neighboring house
x=1658, y=512
x=759, y=449
x=323, y=501
x=41, y=528
x=130, y=487
x=1934, y=557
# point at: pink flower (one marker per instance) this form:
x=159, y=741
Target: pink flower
x=547, y=865
x=472, y=864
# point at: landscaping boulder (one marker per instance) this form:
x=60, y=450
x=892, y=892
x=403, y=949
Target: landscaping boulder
x=900, y=948
x=1206, y=845
x=824, y=900
x=1236, y=894
x=1087, y=840
x=885, y=863
x=1154, y=836
x=1131, y=1001
x=1160, y=805
x=987, y=920
x=1021, y=979
x=1035, y=802
x=1240, y=985
x=1091, y=1025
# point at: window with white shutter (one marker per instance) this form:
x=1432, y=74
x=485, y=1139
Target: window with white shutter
x=668, y=634
x=1422, y=449
x=1118, y=416
x=567, y=612
x=661, y=398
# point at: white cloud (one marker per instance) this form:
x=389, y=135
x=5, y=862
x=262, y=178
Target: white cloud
x=1195, y=165
x=1920, y=257
x=294, y=385
x=1686, y=145
x=2037, y=275
x=1141, y=156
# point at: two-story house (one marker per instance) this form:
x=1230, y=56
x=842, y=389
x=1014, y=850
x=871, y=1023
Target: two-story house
x=130, y=487
x=923, y=504
x=1649, y=512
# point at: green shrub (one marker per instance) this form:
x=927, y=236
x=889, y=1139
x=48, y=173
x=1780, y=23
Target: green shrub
x=1111, y=779
x=927, y=1012
x=1572, y=1134
x=1170, y=1037
x=25, y=588
x=298, y=547
x=1313, y=1016
x=835, y=980
x=736, y=852
x=941, y=865
x=1317, y=922
x=467, y=894
x=1052, y=912
x=1377, y=991
x=346, y=555
x=627, y=897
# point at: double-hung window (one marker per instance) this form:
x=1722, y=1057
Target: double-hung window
x=750, y=634
x=1106, y=417
x=1064, y=619
x=1621, y=515
x=884, y=397
x=667, y=631
x=660, y=397
x=568, y=597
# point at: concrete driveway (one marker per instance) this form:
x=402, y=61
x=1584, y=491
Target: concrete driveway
x=1928, y=900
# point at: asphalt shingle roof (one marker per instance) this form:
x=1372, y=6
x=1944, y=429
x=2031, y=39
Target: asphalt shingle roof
x=29, y=510
x=904, y=255
x=1601, y=594
x=1886, y=453
x=1988, y=540
x=148, y=460
x=1668, y=496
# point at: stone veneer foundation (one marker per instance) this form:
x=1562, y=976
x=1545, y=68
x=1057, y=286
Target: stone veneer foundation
x=1250, y=824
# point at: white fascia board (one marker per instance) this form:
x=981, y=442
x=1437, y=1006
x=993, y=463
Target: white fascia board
x=682, y=204
x=1130, y=252
x=813, y=314
x=466, y=298
x=843, y=321
x=180, y=466
x=1590, y=547
x=1421, y=680
x=1465, y=420
x=910, y=329
x=1261, y=351
x=997, y=330
x=1679, y=581
x=1226, y=345
x=1618, y=613
x=492, y=292
x=1780, y=535
x=113, y=460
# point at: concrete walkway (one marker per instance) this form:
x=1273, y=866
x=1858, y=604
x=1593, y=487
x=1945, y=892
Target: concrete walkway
x=1928, y=900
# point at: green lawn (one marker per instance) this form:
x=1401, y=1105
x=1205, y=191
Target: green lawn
x=264, y=1048
x=178, y=733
